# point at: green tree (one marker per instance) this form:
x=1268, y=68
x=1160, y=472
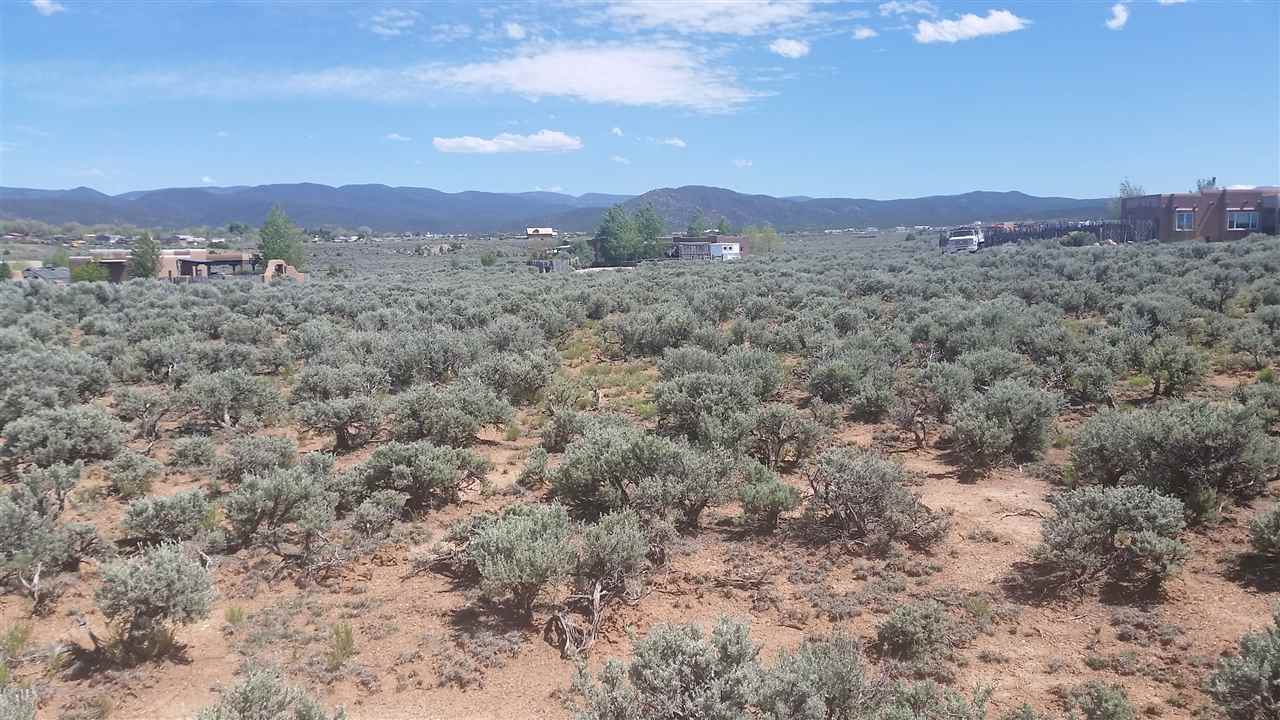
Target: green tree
x=58, y=258
x=650, y=227
x=762, y=239
x=281, y=239
x=698, y=225
x=722, y=228
x=617, y=240
x=144, y=261
x=5, y=270
x=236, y=228
x=89, y=272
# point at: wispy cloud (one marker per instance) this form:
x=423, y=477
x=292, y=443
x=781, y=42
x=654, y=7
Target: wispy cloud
x=207, y=180
x=450, y=32
x=969, y=26
x=6, y=146
x=620, y=160
x=743, y=164
x=908, y=7
x=673, y=142
x=1119, y=16
x=862, y=32
x=789, y=48
x=515, y=30
x=89, y=172
x=34, y=131
x=397, y=137
x=728, y=17
x=541, y=141
x=1172, y=2
x=392, y=22
x=48, y=7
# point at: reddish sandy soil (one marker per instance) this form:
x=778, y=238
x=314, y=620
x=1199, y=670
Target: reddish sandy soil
x=403, y=620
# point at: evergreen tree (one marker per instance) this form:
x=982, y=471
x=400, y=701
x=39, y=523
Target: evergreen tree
x=281, y=239
x=650, y=226
x=144, y=261
x=698, y=225
x=617, y=240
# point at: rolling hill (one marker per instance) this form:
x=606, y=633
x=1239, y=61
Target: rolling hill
x=387, y=208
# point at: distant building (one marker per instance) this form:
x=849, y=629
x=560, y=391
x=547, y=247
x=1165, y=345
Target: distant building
x=720, y=247
x=531, y=233
x=1212, y=215
x=56, y=275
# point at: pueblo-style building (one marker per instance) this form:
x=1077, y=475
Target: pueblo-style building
x=1213, y=215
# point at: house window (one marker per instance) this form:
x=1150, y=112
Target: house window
x=1184, y=220
x=1242, y=220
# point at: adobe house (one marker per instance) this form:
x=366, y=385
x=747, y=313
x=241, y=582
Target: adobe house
x=1212, y=215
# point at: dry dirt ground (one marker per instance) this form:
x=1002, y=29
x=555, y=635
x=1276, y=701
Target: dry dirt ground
x=408, y=626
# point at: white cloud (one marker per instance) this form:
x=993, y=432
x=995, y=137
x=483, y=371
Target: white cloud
x=1229, y=187
x=789, y=48
x=393, y=21
x=515, y=30
x=6, y=146
x=729, y=17
x=553, y=188
x=742, y=163
x=616, y=131
x=90, y=172
x=541, y=141
x=673, y=142
x=969, y=26
x=1119, y=16
x=862, y=32
x=670, y=76
x=48, y=7
x=620, y=160
x=1171, y=2
x=397, y=137
x=908, y=7
x=207, y=180
x=447, y=32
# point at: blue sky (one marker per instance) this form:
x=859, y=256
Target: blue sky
x=866, y=99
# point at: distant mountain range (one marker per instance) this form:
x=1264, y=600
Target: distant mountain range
x=385, y=208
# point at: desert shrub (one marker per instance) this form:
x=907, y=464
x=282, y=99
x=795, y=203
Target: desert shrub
x=176, y=517
x=943, y=387
x=1252, y=339
x=565, y=425
x=451, y=415
x=704, y=407
x=1097, y=701
x=1128, y=535
x=1246, y=686
x=63, y=435
x=782, y=435
x=1090, y=382
x=823, y=679
x=765, y=497
x=318, y=383
x=520, y=552
x=193, y=452
x=994, y=365
x=1010, y=420
x=264, y=695
x=256, y=454
x=281, y=506
x=1173, y=366
x=429, y=476
x=39, y=377
x=31, y=535
x=377, y=513
x=229, y=398
x=614, y=466
x=131, y=474
x=920, y=634
x=614, y=552
x=146, y=408
x=676, y=671
x=759, y=369
x=17, y=703
x=861, y=495
x=865, y=385
x=1201, y=453
x=1264, y=534
x=353, y=421
x=516, y=377
x=650, y=332
x=1262, y=397
x=534, y=473
x=148, y=596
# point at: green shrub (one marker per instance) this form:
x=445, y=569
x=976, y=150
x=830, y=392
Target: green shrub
x=765, y=497
x=31, y=534
x=353, y=421
x=429, y=476
x=520, y=552
x=63, y=435
x=279, y=506
x=782, y=435
x=614, y=551
x=676, y=671
x=861, y=495
x=534, y=473
x=1264, y=534
x=148, y=596
x=1096, y=701
x=131, y=474
x=1246, y=686
x=1201, y=453
x=1128, y=535
x=176, y=517
x=375, y=516
x=256, y=454
x=17, y=703
x=916, y=633
x=1010, y=420
x=193, y=452
x=229, y=398
x=1173, y=366
x=263, y=695
x=820, y=680
x=697, y=406
x=450, y=416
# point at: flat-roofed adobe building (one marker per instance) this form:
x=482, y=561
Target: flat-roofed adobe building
x=1212, y=215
